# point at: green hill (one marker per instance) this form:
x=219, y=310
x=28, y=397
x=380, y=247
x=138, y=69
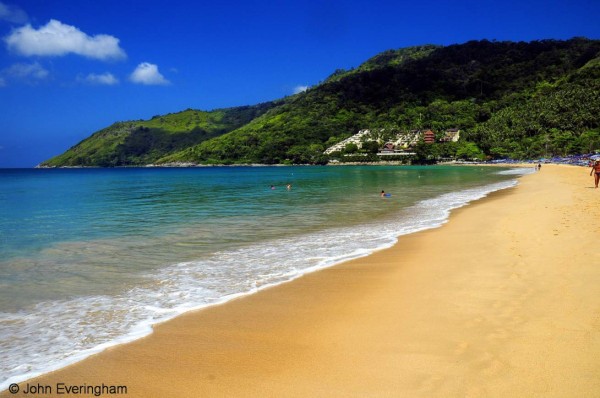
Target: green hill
x=143, y=142
x=510, y=99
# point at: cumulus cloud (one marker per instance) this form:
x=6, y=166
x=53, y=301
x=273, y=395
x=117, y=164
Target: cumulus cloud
x=300, y=89
x=56, y=39
x=147, y=73
x=107, y=79
x=29, y=72
x=12, y=14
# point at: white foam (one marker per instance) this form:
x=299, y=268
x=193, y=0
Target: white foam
x=39, y=341
x=518, y=171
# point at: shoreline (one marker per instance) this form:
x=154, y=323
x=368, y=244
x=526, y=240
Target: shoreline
x=239, y=346
x=191, y=165
x=433, y=220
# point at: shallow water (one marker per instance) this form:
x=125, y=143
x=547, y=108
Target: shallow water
x=109, y=252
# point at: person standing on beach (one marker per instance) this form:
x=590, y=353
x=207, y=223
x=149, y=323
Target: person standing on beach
x=596, y=171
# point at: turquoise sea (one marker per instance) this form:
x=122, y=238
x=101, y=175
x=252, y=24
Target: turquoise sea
x=91, y=258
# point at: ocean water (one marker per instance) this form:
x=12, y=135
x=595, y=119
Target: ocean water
x=91, y=258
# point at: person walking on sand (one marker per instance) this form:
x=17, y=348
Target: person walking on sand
x=596, y=171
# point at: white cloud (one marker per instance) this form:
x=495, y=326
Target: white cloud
x=56, y=39
x=107, y=79
x=12, y=14
x=300, y=89
x=147, y=73
x=30, y=72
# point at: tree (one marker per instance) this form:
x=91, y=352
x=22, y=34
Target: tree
x=588, y=141
x=350, y=148
x=469, y=151
x=371, y=147
x=426, y=153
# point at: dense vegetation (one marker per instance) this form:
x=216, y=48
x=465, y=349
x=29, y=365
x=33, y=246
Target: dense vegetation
x=519, y=100
x=145, y=141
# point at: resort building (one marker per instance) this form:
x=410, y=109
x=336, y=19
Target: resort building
x=429, y=137
x=402, y=143
x=355, y=139
x=451, y=135
x=407, y=140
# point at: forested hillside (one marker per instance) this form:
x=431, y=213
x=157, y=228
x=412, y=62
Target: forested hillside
x=142, y=142
x=509, y=99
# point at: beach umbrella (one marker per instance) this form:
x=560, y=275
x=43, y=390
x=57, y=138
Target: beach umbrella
x=595, y=157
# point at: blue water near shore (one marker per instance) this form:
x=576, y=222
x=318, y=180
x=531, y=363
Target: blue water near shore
x=91, y=258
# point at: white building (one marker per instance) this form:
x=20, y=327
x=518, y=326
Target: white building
x=355, y=139
x=451, y=135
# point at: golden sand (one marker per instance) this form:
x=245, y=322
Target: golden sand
x=502, y=301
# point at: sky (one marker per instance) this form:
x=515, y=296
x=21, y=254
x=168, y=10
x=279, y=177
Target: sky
x=71, y=67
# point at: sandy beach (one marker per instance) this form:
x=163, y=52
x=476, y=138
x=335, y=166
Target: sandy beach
x=503, y=300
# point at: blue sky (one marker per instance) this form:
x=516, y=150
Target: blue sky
x=71, y=67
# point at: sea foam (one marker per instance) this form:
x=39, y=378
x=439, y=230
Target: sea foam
x=36, y=341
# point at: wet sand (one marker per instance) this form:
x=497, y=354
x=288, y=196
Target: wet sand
x=503, y=300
